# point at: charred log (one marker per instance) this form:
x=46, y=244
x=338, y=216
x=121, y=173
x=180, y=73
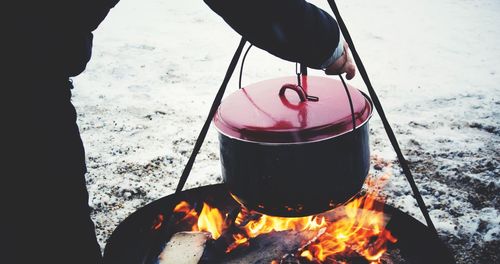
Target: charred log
x=268, y=247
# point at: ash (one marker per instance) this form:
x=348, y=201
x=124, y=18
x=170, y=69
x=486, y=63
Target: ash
x=157, y=65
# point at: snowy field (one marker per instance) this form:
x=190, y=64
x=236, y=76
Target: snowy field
x=157, y=65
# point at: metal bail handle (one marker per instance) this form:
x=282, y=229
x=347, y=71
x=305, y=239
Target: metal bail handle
x=300, y=92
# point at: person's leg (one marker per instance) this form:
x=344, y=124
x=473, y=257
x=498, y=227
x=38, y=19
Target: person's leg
x=55, y=222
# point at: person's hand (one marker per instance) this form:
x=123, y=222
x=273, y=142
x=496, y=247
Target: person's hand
x=344, y=64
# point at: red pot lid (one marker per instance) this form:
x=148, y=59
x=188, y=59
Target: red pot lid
x=264, y=112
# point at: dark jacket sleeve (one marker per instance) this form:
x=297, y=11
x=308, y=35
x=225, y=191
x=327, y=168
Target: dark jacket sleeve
x=293, y=30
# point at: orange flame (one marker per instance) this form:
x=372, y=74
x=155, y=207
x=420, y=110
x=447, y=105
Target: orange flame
x=190, y=214
x=267, y=224
x=210, y=219
x=158, y=222
x=361, y=228
x=307, y=255
x=239, y=240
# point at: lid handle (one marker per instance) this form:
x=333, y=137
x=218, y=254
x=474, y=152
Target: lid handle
x=300, y=92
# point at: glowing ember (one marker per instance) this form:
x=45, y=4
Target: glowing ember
x=239, y=240
x=358, y=226
x=158, y=222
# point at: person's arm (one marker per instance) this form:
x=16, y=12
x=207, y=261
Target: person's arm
x=293, y=30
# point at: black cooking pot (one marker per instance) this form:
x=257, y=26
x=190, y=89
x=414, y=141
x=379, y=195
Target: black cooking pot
x=290, y=150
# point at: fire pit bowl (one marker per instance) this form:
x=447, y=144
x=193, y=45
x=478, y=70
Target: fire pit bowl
x=140, y=237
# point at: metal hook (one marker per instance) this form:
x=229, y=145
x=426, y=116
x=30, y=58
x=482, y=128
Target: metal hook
x=298, y=72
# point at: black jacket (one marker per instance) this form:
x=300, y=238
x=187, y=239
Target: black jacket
x=55, y=37
x=294, y=30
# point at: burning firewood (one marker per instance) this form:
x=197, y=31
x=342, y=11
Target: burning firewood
x=352, y=233
x=268, y=247
x=184, y=248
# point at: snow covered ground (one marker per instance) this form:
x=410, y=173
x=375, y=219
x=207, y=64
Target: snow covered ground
x=157, y=65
